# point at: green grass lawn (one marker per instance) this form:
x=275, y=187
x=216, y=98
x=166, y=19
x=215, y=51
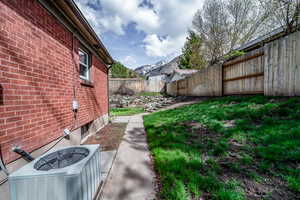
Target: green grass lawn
x=125, y=111
x=230, y=148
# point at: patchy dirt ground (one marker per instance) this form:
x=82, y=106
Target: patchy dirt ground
x=256, y=184
x=229, y=148
x=109, y=137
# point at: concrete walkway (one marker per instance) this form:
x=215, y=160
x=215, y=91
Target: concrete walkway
x=106, y=161
x=132, y=176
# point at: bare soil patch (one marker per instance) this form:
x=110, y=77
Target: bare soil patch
x=109, y=137
x=256, y=184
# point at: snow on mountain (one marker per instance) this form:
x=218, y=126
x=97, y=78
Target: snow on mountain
x=165, y=69
x=143, y=70
x=159, y=68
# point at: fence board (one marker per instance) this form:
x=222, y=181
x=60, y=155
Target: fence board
x=136, y=85
x=244, y=74
x=282, y=66
x=292, y=59
x=207, y=82
x=297, y=64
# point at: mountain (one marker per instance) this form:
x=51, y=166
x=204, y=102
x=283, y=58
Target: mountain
x=159, y=68
x=165, y=69
x=143, y=70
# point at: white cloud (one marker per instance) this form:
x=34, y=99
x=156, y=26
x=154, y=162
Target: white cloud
x=113, y=23
x=165, y=23
x=114, y=15
x=129, y=61
x=175, y=19
x=156, y=46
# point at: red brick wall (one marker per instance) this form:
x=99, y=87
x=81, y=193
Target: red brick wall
x=37, y=76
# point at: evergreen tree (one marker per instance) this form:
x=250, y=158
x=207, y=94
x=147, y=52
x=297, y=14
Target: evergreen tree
x=192, y=57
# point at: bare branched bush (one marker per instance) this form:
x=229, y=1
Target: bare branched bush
x=224, y=25
x=284, y=13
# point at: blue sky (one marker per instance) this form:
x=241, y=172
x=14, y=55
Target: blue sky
x=138, y=32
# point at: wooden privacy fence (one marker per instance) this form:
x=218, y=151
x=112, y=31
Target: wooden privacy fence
x=245, y=74
x=206, y=82
x=272, y=70
x=282, y=66
x=182, y=87
x=135, y=85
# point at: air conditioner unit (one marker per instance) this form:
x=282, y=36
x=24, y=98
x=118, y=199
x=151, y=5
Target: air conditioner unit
x=71, y=173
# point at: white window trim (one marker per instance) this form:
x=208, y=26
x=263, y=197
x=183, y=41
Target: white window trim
x=87, y=78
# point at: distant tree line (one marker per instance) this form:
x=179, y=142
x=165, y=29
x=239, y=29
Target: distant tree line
x=221, y=26
x=118, y=70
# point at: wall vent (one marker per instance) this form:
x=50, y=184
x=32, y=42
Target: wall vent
x=71, y=173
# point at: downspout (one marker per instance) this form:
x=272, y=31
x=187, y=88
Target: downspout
x=75, y=104
x=109, y=67
x=2, y=166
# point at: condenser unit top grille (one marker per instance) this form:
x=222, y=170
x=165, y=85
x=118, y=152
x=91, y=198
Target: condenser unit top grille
x=62, y=158
x=72, y=173
x=30, y=170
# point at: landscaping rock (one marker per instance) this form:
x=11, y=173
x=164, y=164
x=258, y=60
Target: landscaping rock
x=149, y=103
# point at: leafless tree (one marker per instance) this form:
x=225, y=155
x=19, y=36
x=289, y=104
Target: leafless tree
x=284, y=13
x=247, y=20
x=225, y=24
x=211, y=23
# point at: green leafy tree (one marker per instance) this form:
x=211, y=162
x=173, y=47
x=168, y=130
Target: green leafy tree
x=192, y=57
x=118, y=70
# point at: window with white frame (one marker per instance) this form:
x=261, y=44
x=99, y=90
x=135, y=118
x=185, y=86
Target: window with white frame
x=84, y=64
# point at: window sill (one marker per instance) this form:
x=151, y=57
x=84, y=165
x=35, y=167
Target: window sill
x=86, y=83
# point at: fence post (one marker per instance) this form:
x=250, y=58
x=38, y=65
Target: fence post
x=222, y=78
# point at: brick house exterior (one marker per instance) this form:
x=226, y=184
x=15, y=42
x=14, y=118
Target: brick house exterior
x=39, y=74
